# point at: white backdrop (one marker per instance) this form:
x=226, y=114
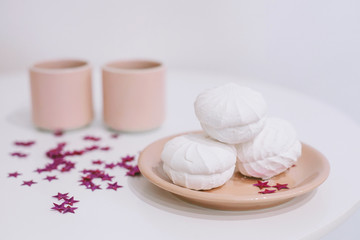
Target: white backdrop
x=309, y=45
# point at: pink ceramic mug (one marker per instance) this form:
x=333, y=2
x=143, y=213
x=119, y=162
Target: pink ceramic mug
x=134, y=95
x=61, y=94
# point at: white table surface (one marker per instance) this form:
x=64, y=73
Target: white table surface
x=142, y=211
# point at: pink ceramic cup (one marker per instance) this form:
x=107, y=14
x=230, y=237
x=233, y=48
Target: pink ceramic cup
x=61, y=94
x=134, y=95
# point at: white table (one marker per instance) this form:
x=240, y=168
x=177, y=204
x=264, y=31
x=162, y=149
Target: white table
x=142, y=211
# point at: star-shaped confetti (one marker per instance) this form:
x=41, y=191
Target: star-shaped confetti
x=28, y=183
x=50, y=178
x=97, y=162
x=110, y=165
x=105, y=148
x=267, y=191
x=59, y=207
x=113, y=186
x=261, y=184
x=115, y=135
x=18, y=154
x=92, y=138
x=14, y=174
x=69, y=209
x=61, y=196
x=128, y=158
x=133, y=172
x=279, y=186
x=94, y=187
x=58, y=133
x=24, y=144
x=70, y=201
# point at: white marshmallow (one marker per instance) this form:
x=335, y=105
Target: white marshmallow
x=231, y=113
x=271, y=152
x=198, y=162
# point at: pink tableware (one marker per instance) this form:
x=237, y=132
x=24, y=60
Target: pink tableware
x=61, y=94
x=134, y=95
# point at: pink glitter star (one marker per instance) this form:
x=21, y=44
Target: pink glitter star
x=106, y=177
x=14, y=174
x=92, y=138
x=60, y=196
x=105, y=148
x=24, y=144
x=18, y=154
x=279, y=186
x=94, y=187
x=128, y=158
x=69, y=209
x=110, y=165
x=267, y=191
x=60, y=208
x=113, y=186
x=134, y=171
x=50, y=178
x=70, y=201
x=28, y=183
x=115, y=135
x=261, y=184
x=58, y=133
x=97, y=162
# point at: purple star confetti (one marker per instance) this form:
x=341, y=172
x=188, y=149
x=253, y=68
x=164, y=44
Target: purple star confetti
x=67, y=203
x=279, y=186
x=18, y=154
x=105, y=148
x=110, y=165
x=24, y=144
x=28, y=183
x=133, y=171
x=59, y=207
x=70, y=201
x=61, y=196
x=50, y=178
x=261, y=184
x=58, y=133
x=97, y=162
x=128, y=158
x=69, y=209
x=114, y=135
x=267, y=191
x=113, y=186
x=14, y=174
x=92, y=138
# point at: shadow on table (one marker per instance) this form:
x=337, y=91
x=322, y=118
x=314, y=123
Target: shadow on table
x=166, y=201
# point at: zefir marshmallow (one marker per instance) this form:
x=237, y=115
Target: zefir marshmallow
x=231, y=113
x=270, y=153
x=198, y=162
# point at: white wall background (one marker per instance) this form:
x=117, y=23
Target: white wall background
x=310, y=45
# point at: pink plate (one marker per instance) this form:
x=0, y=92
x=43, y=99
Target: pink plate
x=238, y=193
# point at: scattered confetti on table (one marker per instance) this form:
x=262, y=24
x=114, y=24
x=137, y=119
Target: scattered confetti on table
x=59, y=161
x=67, y=205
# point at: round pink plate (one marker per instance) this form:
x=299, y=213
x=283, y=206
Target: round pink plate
x=238, y=193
